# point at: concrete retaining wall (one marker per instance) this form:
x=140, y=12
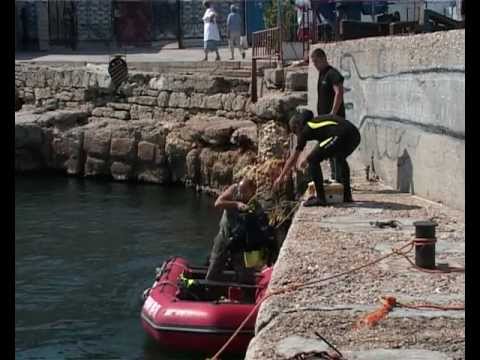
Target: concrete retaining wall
x=407, y=96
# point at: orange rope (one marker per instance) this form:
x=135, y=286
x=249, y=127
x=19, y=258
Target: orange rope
x=296, y=286
x=240, y=327
x=389, y=302
x=431, y=306
x=431, y=271
x=395, y=251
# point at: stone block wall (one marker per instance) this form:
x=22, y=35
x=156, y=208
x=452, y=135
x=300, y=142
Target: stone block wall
x=407, y=96
x=143, y=95
x=193, y=129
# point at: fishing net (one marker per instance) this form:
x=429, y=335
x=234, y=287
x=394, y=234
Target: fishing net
x=277, y=205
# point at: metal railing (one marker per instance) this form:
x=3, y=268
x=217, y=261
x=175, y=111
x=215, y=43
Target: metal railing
x=269, y=45
x=266, y=44
x=416, y=16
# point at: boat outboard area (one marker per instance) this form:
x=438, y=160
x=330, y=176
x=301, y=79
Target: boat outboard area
x=184, y=311
x=207, y=308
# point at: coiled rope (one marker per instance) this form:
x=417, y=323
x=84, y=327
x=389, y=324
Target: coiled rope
x=295, y=286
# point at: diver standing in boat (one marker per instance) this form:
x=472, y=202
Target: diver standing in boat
x=227, y=243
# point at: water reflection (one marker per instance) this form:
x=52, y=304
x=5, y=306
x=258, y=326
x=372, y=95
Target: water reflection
x=84, y=252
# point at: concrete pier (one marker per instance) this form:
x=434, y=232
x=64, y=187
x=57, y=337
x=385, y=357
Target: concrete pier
x=325, y=241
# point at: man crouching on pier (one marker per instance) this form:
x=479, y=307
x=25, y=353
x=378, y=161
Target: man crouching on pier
x=337, y=138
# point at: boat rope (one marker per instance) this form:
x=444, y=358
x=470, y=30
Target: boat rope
x=389, y=303
x=328, y=343
x=294, y=209
x=431, y=306
x=295, y=286
x=416, y=242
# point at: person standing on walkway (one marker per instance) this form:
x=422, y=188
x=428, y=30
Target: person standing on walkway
x=304, y=19
x=329, y=92
x=70, y=19
x=211, y=34
x=337, y=138
x=234, y=31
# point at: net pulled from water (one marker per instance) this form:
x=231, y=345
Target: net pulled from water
x=278, y=205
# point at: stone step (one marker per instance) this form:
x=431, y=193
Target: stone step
x=237, y=73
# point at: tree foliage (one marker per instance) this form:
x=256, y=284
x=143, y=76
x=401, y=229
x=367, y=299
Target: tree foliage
x=289, y=16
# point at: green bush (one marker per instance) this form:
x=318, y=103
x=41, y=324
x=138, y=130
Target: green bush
x=289, y=17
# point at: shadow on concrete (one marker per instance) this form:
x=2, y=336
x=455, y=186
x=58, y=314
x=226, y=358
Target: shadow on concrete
x=380, y=205
x=405, y=173
x=22, y=56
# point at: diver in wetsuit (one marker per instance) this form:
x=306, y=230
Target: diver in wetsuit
x=233, y=200
x=241, y=230
x=337, y=138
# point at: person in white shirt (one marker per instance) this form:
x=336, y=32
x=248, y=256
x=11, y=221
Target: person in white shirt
x=304, y=18
x=211, y=35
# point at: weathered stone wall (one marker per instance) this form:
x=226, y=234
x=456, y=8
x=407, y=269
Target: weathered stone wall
x=64, y=87
x=193, y=129
x=406, y=94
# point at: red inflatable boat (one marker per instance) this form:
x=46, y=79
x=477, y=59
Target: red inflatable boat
x=183, y=311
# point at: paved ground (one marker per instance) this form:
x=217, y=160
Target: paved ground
x=165, y=54
x=326, y=241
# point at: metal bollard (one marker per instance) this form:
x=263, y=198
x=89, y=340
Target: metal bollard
x=425, y=244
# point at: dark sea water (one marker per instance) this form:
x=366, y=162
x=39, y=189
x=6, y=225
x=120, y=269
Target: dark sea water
x=85, y=251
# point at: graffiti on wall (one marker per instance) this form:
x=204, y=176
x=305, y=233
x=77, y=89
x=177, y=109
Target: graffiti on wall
x=430, y=99
x=405, y=116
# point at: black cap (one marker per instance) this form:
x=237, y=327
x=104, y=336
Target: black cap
x=300, y=118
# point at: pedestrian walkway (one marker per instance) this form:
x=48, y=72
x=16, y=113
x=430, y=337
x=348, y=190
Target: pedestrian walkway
x=164, y=54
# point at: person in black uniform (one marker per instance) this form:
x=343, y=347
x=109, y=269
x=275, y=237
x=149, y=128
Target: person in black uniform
x=329, y=87
x=329, y=91
x=337, y=138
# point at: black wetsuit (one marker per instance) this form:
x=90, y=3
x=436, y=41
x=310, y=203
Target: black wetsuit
x=240, y=232
x=337, y=139
x=327, y=79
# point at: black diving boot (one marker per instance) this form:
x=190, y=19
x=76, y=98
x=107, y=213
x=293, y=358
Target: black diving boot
x=317, y=177
x=318, y=200
x=315, y=201
x=343, y=172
